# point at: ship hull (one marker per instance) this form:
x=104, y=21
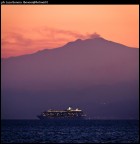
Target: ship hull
x=60, y=118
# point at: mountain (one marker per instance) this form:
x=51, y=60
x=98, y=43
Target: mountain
x=99, y=76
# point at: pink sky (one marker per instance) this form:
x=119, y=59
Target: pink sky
x=29, y=28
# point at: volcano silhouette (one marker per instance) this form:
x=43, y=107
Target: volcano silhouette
x=97, y=75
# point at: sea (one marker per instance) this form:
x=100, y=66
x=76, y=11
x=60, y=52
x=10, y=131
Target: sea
x=82, y=131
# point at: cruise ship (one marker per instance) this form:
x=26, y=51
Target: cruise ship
x=68, y=114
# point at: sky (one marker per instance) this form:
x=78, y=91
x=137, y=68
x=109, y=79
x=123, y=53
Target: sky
x=29, y=28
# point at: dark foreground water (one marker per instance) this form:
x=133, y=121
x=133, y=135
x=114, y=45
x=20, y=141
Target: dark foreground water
x=87, y=131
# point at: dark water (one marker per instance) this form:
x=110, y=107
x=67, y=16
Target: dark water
x=88, y=131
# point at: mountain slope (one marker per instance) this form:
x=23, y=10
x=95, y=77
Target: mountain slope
x=97, y=75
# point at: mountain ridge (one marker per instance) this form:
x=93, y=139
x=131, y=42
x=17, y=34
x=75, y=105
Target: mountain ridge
x=69, y=43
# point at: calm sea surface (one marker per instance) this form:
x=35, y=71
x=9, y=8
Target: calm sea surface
x=86, y=131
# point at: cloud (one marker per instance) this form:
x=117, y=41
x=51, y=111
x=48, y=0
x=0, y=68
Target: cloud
x=16, y=43
x=59, y=33
x=94, y=35
x=29, y=41
x=13, y=38
x=70, y=33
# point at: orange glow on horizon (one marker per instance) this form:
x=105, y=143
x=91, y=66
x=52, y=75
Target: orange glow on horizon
x=29, y=28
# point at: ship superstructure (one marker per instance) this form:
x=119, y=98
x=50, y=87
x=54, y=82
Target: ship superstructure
x=62, y=114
